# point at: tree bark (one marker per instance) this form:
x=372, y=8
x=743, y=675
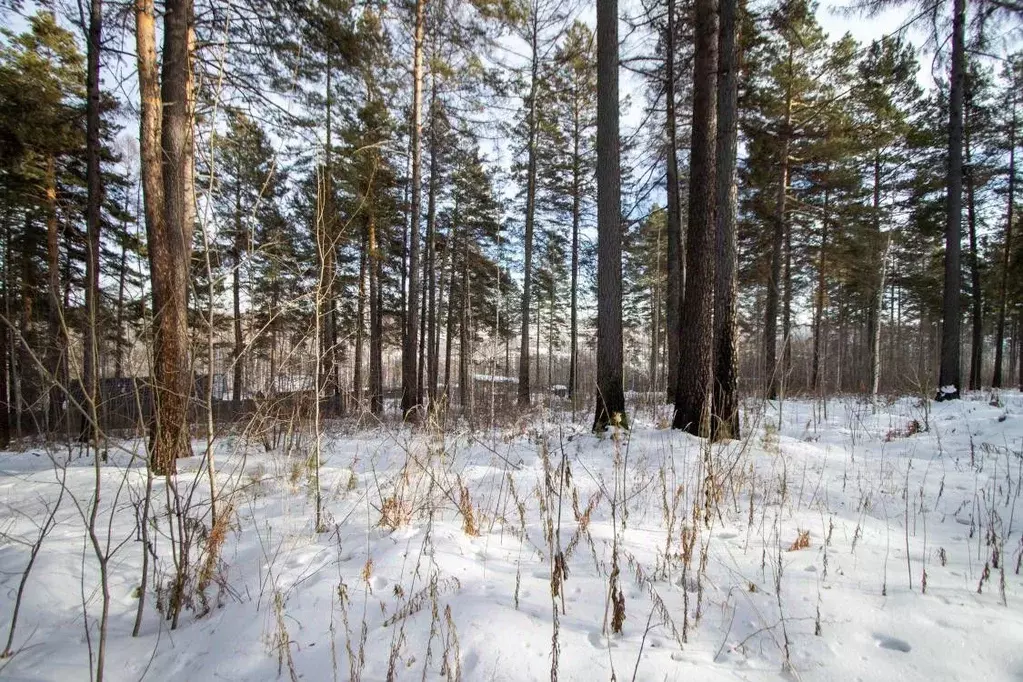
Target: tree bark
x=816, y=381
x=976, y=293
x=410, y=398
x=170, y=246
x=949, y=372
x=696, y=345
x=236, y=294
x=676, y=254
x=56, y=344
x=94, y=188
x=431, y=248
x=725, y=423
x=376, y=321
x=610, y=407
x=577, y=188
x=1003, y=285
x=527, y=282
x=881, y=246
x=360, y=323
x=777, y=245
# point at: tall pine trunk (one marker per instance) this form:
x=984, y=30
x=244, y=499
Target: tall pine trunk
x=881, y=246
x=236, y=294
x=949, y=372
x=610, y=406
x=816, y=379
x=360, y=323
x=56, y=344
x=725, y=423
x=527, y=274
x=376, y=321
x=410, y=399
x=976, y=293
x=676, y=255
x=166, y=150
x=577, y=188
x=94, y=200
x=431, y=247
x=777, y=245
x=696, y=346
x=1003, y=285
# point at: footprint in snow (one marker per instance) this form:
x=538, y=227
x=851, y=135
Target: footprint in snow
x=892, y=643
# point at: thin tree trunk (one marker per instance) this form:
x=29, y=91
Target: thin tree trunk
x=376, y=324
x=449, y=336
x=786, y=312
x=655, y=315
x=527, y=274
x=1003, y=286
x=5, y=330
x=777, y=244
x=410, y=398
x=464, y=380
x=949, y=373
x=821, y=293
x=610, y=407
x=881, y=246
x=431, y=215
x=94, y=201
x=676, y=255
x=976, y=302
x=725, y=423
x=122, y=274
x=236, y=295
x=56, y=345
x=577, y=181
x=696, y=346
x=360, y=324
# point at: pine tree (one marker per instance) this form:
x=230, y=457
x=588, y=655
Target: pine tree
x=610, y=398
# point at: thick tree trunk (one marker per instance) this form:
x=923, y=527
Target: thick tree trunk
x=725, y=423
x=1003, y=286
x=527, y=274
x=949, y=373
x=676, y=255
x=410, y=399
x=777, y=245
x=94, y=188
x=610, y=399
x=171, y=239
x=696, y=346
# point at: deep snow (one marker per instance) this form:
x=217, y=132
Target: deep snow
x=423, y=595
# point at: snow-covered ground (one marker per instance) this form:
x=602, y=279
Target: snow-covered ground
x=803, y=554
